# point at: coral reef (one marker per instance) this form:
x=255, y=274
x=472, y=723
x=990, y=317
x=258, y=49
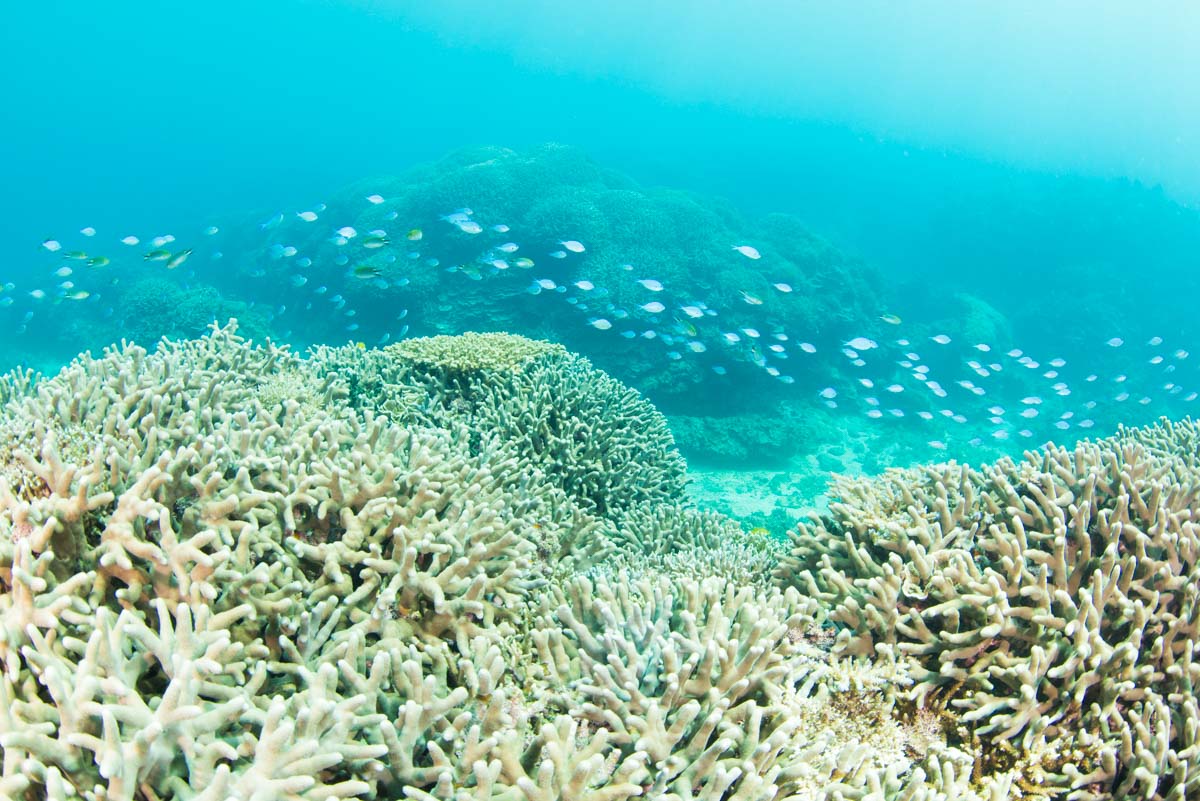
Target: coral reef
x=1048, y=606
x=684, y=542
x=743, y=440
x=231, y=573
x=601, y=442
x=541, y=196
x=472, y=352
x=151, y=308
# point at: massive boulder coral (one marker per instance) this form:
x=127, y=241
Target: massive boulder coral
x=1049, y=606
x=447, y=281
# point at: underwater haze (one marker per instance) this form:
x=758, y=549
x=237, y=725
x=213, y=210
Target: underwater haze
x=596, y=401
x=1020, y=181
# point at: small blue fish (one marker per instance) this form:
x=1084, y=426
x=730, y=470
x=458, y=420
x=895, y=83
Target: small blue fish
x=271, y=223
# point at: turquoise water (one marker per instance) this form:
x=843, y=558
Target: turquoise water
x=999, y=214
x=820, y=240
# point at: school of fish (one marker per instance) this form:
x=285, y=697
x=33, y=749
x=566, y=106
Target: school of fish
x=885, y=373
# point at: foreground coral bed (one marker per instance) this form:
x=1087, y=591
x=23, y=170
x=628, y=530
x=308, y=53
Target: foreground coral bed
x=463, y=568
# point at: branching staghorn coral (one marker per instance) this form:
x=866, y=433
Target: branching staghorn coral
x=601, y=442
x=1050, y=605
x=245, y=583
x=677, y=540
x=202, y=502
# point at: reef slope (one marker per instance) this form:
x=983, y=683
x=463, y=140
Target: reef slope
x=464, y=568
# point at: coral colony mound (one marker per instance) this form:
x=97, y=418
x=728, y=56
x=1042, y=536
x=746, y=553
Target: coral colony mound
x=767, y=347
x=465, y=568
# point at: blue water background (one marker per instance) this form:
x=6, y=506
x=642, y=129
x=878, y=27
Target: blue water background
x=1033, y=154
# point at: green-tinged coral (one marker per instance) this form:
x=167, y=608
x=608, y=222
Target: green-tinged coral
x=601, y=442
x=23, y=440
x=232, y=539
x=680, y=541
x=291, y=385
x=473, y=351
x=152, y=308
